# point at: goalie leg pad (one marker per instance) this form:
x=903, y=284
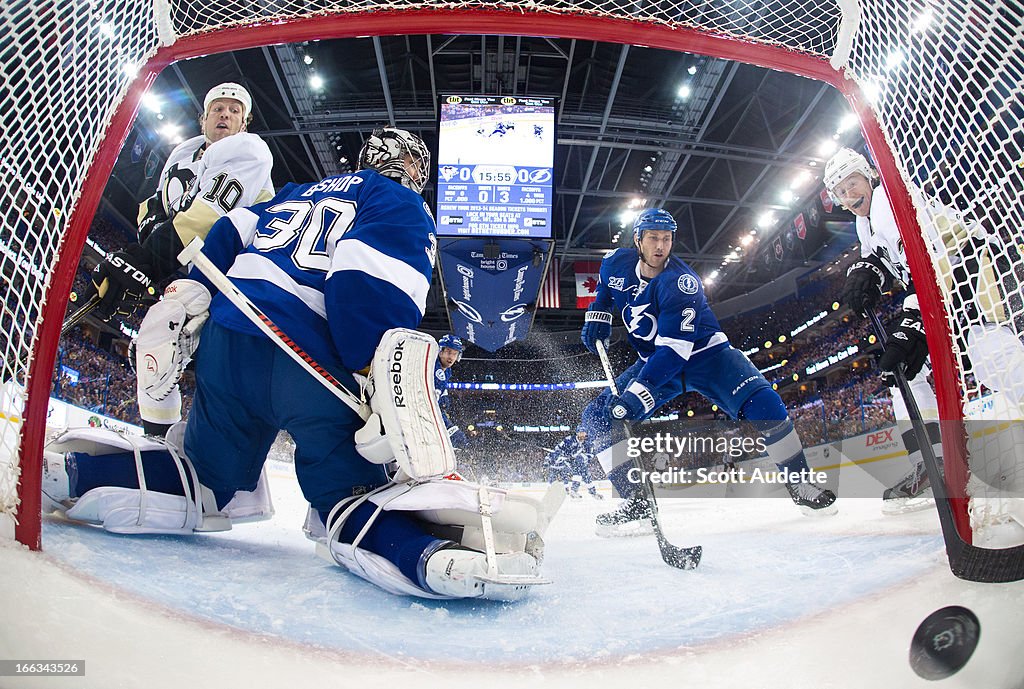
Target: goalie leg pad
x=143, y=510
x=402, y=395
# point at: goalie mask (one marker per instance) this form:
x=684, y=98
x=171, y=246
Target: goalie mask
x=398, y=155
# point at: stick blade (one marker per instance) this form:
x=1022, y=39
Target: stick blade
x=682, y=558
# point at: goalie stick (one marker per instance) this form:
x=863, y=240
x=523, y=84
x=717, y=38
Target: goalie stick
x=193, y=254
x=967, y=561
x=674, y=556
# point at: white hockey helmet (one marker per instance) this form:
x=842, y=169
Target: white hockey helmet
x=229, y=90
x=385, y=151
x=844, y=163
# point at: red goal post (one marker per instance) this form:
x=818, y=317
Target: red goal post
x=72, y=92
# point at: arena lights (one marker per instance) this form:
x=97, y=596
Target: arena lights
x=627, y=216
x=923, y=21
x=684, y=92
x=691, y=70
x=308, y=59
x=849, y=121
x=828, y=147
x=766, y=220
x=835, y=306
x=151, y=102
x=316, y=82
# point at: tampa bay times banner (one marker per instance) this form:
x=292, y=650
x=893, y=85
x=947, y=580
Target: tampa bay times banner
x=492, y=287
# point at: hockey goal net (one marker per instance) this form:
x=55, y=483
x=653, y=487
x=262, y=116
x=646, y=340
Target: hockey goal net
x=937, y=86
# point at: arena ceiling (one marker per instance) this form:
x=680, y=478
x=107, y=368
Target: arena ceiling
x=722, y=145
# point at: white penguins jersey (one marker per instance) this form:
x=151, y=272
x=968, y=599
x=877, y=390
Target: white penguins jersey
x=200, y=182
x=880, y=237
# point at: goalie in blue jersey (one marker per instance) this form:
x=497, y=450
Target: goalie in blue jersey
x=343, y=266
x=680, y=348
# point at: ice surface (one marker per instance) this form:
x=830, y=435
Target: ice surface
x=825, y=591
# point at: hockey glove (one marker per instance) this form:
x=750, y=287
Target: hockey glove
x=123, y=281
x=866, y=279
x=597, y=325
x=906, y=346
x=153, y=217
x=633, y=404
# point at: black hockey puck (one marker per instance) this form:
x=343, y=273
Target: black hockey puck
x=944, y=642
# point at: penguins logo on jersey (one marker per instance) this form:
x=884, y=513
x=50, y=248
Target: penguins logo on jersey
x=687, y=284
x=641, y=325
x=178, y=189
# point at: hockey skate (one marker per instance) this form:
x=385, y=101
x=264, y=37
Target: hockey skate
x=463, y=573
x=812, y=500
x=912, y=493
x=632, y=518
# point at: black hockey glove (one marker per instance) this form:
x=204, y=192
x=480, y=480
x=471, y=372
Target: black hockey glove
x=906, y=346
x=866, y=279
x=123, y=281
x=153, y=218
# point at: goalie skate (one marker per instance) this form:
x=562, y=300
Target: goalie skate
x=812, y=500
x=632, y=518
x=912, y=494
x=463, y=573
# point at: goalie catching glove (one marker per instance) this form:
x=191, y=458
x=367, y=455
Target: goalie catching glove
x=906, y=345
x=168, y=337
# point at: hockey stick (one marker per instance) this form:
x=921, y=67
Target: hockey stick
x=193, y=254
x=966, y=561
x=75, y=318
x=674, y=556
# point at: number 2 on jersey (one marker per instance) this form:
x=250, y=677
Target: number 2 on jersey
x=318, y=228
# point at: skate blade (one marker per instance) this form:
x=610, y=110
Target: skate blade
x=829, y=511
x=898, y=506
x=513, y=579
x=642, y=528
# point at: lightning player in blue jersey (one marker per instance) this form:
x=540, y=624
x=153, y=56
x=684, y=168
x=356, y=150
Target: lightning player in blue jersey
x=337, y=265
x=681, y=348
x=569, y=462
x=449, y=354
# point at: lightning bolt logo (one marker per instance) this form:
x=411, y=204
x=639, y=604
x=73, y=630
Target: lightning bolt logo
x=636, y=318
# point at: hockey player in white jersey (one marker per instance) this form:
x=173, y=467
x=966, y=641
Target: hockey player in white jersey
x=223, y=168
x=680, y=347
x=343, y=266
x=964, y=256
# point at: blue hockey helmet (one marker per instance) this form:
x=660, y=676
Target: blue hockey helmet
x=653, y=219
x=451, y=342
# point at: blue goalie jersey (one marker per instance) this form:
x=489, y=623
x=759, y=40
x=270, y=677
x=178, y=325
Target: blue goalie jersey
x=668, y=318
x=335, y=264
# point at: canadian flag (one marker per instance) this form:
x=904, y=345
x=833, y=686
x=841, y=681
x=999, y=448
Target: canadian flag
x=587, y=275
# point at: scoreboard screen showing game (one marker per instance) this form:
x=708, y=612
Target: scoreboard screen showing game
x=494, y=166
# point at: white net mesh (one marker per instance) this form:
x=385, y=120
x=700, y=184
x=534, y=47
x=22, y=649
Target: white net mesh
x=944, y=80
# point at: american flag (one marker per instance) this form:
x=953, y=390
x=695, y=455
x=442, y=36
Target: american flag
x=548, y=298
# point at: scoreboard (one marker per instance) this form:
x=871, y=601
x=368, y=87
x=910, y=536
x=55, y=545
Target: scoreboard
x=495, y=166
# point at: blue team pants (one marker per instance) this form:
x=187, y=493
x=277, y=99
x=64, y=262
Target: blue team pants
x=725, y=376
x=247, y=389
